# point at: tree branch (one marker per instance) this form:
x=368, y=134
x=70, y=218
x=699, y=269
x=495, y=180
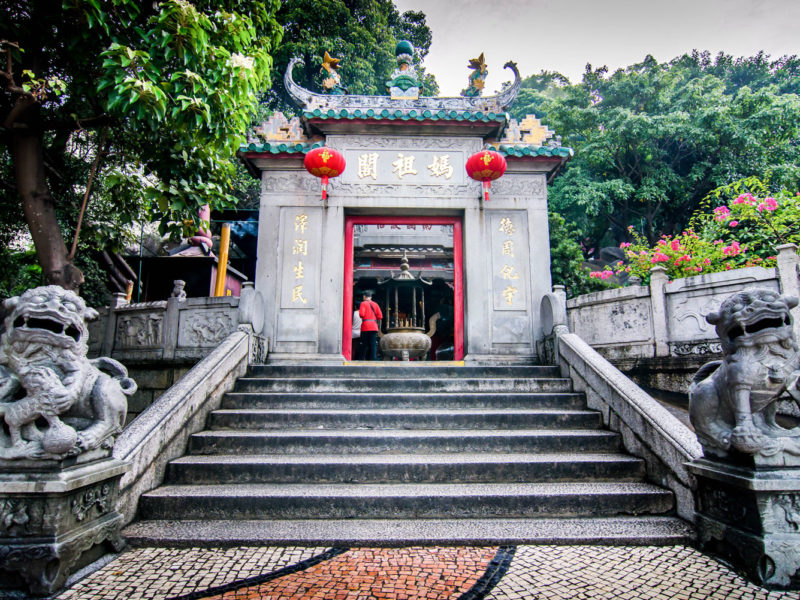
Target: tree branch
x=100, y=150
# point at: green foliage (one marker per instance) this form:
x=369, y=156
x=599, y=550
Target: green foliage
x=172, y=86
x=741, y=226
x=362, y=34
x=18, y=272
x=566, y=259
x=652, y=140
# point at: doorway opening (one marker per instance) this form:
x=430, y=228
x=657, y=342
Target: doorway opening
x=375, y=247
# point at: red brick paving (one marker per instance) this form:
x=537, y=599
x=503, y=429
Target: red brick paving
x=380, y=574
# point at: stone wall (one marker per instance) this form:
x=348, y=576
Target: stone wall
x=658, y=334
x=159, y=342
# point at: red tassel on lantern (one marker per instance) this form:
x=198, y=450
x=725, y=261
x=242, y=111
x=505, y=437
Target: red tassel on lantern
x=324, y=163
x=486, y=166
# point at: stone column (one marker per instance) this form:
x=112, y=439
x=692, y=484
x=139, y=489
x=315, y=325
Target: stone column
x=787, y=273
x=658, y=306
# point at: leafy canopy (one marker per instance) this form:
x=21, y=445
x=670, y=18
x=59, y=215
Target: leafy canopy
x=653, y=139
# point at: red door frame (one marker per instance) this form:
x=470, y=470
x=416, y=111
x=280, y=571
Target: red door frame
x=458, y=291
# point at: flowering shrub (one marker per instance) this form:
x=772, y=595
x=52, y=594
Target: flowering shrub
x=684, y=255
x=753, y=217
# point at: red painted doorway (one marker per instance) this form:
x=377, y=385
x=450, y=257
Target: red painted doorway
x=458, y=287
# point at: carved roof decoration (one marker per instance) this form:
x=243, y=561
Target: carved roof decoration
x=528, y=132
x=526, y=139
x=374, y=107
x=281, y=147
x=280, y=129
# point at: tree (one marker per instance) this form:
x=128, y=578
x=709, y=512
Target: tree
x=361, y=33
x=653, y=139
x=154, y=97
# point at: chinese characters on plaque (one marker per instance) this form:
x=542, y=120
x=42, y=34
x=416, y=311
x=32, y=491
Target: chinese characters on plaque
x=507, y=254
x=299, y=250
x=408, y=166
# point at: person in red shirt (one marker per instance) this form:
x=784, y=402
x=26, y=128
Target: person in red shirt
x=371, y=315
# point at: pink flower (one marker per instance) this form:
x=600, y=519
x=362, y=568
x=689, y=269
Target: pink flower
x=659, y=257
x=732, y=250
x=717, y=242
x=721, y=213
x=675, y=245
x=606, y=274
x=698, y=268
x=707, y=261
x=769, y=204
x=733, y=223
x=745, y=199
x=624, y=244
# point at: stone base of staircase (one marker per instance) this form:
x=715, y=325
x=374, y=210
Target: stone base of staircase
x=307, y=454
x=612, y=531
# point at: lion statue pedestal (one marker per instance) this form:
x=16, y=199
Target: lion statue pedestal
x=748, y=483
x=59, y=414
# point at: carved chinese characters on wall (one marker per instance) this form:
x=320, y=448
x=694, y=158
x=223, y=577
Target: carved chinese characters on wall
x=302, y=228
x=509, y=241
x=419, y=167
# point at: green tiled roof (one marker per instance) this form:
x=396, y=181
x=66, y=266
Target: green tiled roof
x=406, y=115
x=280, y=147
x=522, y=151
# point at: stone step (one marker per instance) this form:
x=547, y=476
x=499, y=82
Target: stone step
x=379, y=370
x=565, y=401
x=401, y=385
x=418, y=468
x=404, y=500
x=611, y=531
x=407, y=418
x=359, y=441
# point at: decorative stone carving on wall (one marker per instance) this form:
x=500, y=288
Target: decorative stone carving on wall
x=695, y=348
x=13, y=517
x=732, y=401
x=205, y=329
x=43, y=360
x=528, y=186
x=93, y=498
x=280, y=183
x=140, y=330
x=406, y=143
x=406, y=191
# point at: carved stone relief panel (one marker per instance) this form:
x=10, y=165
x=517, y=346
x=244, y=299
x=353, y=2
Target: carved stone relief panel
x=140, y=330
x=204, y=328
x=520, y=185
x=623, y=321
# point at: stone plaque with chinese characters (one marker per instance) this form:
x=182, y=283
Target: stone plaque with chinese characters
x=509, y=235
x=413, y=166
x=302, y=238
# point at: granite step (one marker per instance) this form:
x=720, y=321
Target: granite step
x=420, y=400
x=417, y=468
x=360, y=385
x=408, y=418
x=643, y=530
x=359, y=441
x=379, y=370
x=404, y=500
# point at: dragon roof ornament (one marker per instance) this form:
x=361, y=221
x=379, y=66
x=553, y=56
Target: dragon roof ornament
x=309, y=101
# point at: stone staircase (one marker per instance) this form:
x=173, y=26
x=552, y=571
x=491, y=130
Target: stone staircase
x=393, y=455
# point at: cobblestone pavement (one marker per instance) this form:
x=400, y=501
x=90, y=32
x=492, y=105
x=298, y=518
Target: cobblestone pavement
x=505, y=573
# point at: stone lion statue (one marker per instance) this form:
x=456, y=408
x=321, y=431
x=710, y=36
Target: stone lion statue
x=55, y=402
x=732, y=401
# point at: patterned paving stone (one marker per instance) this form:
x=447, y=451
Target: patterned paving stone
x=622, y=573
x=534, y=573
x=160, y=573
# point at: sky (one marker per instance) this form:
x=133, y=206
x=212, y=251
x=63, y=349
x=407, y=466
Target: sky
x=564, y=35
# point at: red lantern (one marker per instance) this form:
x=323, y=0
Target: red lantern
x=324, y=162
x=485, y=166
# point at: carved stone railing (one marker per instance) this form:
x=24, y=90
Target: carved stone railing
x=161, y=432
x=634, y=325
x=168, y=330
x=648, y=430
